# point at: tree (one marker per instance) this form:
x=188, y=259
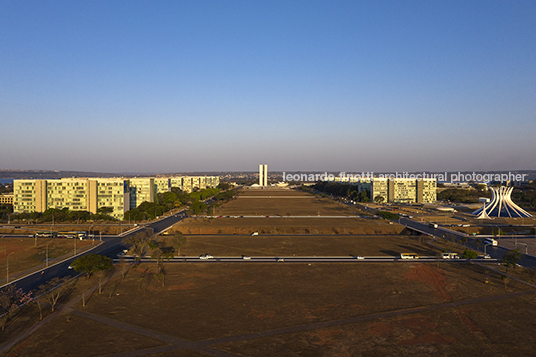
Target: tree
x=39, y=301
x=10, y=300
x=161, y=275
x=91, y=263
x=177, y=242
x=379, y=199
x=469, y=254
x=125, y=266
x=511, y=258
x=105, y=210
x=53, y=290
x=157, y=254
x=505, y=279
x=101, y=274
x=487, y=275
x=169, y=197
x=197, y=207
x=138, y=242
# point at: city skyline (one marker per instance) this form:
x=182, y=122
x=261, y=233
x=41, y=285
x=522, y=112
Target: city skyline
x=303, y=86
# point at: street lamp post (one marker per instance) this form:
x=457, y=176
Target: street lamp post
x=152, y=230
x=7, y=267
x=485, y=245
x=526, y=247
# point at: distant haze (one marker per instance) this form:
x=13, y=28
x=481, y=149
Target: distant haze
x=175, y=86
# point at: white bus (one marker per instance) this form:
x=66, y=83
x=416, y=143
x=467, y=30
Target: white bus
x=450, y=256
x=409, y=256
x=78, y=234
x=490, y=241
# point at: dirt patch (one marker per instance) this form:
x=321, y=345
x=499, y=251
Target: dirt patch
x=431, y=276
x=409, y=331
x=325, y=337
x=263, y=315
x=185, y=286
x=380, y=329
x=427, y=338
x=467, y=321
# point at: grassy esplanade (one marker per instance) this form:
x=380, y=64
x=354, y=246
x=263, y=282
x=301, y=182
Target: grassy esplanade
x=280, y=309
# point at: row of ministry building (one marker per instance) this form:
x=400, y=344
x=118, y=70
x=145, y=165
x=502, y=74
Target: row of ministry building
x=395, y=190
x=90, y=194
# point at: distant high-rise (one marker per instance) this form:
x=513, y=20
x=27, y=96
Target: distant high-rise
x=90, y=194
x=263, y=175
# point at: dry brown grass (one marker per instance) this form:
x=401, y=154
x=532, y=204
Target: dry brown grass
x=286, y=226
x=203, y=301
x=283, y=203
x=26, y=255
x=370, y=245
x=207, y=301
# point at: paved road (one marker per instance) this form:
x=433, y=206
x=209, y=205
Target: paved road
x=496, y=252
x=284, y=217
x=111, y=246
x=294, y=259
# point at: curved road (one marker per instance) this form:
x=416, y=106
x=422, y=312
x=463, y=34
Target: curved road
x=110, y=247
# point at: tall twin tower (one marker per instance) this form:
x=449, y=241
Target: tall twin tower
x=263, y=175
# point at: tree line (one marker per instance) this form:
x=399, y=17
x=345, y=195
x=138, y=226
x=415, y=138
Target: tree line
x=13, y=301
x=462, y=195
x=145, y=211
x=525, y=196
x=63, y=215
x=343, y=190
x=177, y=198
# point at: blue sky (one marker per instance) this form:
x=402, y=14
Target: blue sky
x=171, y=86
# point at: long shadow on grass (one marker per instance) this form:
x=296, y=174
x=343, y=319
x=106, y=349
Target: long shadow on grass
x=390, y=252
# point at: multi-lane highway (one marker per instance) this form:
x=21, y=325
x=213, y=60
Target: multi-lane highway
x=111, y=246
x=496, y=252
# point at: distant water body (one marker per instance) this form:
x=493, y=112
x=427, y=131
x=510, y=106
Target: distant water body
x=4, y=181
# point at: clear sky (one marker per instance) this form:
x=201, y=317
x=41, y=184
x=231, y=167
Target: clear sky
x=170, y=86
